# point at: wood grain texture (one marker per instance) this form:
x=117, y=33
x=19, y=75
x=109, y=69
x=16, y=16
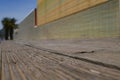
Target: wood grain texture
x=20, y=62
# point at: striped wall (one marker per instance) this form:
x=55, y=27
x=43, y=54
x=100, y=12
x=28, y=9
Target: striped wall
x=26, y=28
x=50, y=10
x=99, y=21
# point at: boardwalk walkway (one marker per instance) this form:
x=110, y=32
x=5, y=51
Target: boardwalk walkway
x=23, y=62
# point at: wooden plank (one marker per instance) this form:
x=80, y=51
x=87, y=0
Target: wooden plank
x=20, y=62
x=0, y=62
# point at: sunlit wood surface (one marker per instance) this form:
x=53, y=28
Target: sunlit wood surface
x=21, y=62
x=50, y=10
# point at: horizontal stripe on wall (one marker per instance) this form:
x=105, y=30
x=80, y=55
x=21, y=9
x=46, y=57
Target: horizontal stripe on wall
x=49, y=10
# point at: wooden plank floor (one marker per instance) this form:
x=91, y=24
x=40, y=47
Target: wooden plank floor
x=20, y=62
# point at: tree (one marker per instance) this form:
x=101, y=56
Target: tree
x=9, y=24
x=2, y=34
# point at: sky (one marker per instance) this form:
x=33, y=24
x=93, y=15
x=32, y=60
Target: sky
x=16, y=8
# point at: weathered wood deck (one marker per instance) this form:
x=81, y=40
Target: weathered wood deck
x=20, y=62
